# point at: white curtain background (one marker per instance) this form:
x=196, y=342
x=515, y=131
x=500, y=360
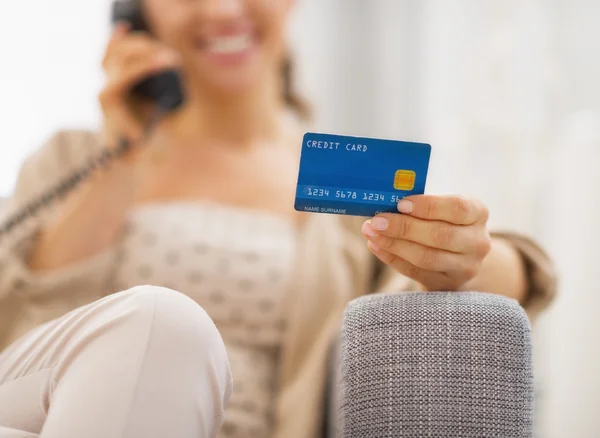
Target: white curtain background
x=506, y=91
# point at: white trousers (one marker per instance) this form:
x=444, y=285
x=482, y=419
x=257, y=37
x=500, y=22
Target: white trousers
x=143, y=363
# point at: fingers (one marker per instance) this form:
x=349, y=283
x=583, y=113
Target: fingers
x=439, y=241
x=424, y=257
x=453, y=209
x=431, y=280
x=122, y=76
x=135, y=48
x=434, y=234
x=129, y=58
x=119, y=32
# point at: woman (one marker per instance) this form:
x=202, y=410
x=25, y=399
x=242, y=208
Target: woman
x=204, y=206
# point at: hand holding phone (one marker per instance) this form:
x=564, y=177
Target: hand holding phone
x=140, y=76
x=130, y=58
x=164, y=88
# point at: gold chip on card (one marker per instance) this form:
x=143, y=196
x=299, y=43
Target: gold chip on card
x=405, y=180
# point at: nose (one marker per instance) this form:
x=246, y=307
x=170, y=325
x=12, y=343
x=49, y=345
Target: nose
x=223, y=9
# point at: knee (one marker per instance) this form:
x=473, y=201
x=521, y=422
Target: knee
x=178, y=326
x=166, y=306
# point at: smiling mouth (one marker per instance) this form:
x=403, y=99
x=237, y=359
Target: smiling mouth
x=227, y=45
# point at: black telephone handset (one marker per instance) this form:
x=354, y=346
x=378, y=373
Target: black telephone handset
x=164, y=89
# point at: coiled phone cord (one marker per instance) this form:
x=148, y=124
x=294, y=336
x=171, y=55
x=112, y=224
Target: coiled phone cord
x=69, y=183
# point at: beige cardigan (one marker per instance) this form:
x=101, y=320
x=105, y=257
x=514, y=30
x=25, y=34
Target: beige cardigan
x=333, y=267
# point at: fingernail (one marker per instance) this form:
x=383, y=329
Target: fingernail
x=405, y=206
x=368, y=230
x=379, y=223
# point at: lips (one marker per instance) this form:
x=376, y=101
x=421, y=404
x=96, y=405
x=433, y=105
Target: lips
x=229, y=40
x=229, y=45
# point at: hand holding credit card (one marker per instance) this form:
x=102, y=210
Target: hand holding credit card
x=358, y=176
x=438, y=241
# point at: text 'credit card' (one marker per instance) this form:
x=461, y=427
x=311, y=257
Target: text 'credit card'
x=358, y=176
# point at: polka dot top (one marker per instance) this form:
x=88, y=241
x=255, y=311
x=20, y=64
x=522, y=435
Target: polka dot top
x=236, y=264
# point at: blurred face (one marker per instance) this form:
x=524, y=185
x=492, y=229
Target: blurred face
x=226, y=45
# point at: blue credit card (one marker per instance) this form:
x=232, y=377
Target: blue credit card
x=358, y=176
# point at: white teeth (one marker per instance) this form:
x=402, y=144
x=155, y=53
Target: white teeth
x=229, y=44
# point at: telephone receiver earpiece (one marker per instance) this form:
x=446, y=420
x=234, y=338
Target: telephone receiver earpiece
x=164, y=88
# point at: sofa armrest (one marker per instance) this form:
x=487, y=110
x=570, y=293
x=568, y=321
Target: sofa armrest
x=433, y=364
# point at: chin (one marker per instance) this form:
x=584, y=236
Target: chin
x=229, y=83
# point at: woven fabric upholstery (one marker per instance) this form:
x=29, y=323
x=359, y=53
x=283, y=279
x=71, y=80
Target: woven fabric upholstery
x=436, y=365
